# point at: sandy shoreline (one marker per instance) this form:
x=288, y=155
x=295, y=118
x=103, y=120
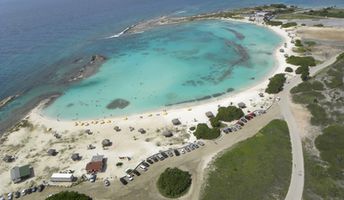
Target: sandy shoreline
x=38, y=139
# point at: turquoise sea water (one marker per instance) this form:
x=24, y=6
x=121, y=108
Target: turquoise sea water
x=172, y=64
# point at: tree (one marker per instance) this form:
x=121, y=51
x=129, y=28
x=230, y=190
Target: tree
x=204, y=132
x=69, y=195
x=174, y=182
x=288, y=69
x=229, y=113
x=276, y=84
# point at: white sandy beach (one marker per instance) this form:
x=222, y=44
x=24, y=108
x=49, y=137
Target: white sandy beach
x=30, y=146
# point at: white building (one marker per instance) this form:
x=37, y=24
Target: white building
x=62, y=177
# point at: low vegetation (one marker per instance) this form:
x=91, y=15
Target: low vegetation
x=327, y=12
x=322, y=95
x=229, y=113
x=276, y=84
x=323, y=176
x=69, y=195
x=288, y=69
x=204, y=132
x=258, y=168
x=289, y=24
x=174, y=182
x=301, y=61
x=274, y=23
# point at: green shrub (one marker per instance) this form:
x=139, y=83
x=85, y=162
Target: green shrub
x=331, y=147
x=274, y=23
x=289, y=24
x=301, y=70
x=319, y=25
x=174, y=182
x=317, y=85
x=69, y=195
x=319, y=115
x=288, y=69
x=276, y=84
x=229, y=113
x=301, y=61
x=215, y=123
x=305, y=76
x=204, y=132
x=298, y=43
x=119, y=164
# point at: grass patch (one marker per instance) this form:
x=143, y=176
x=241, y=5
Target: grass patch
x=323, y=179
x=319, y=115
x=204, y=132
x=327, y=12
x=276, y=84
x=308, y=97
x=289, y=24
x=274, y=23
x=173, y=182
x=297, y=16
x=258, y=168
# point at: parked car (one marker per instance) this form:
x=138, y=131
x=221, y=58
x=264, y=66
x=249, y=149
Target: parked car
x=237, y=126
x=182, y=150
x=17, y=194
x=176, y=152
x=2, y=197
x=130, y=177
x=143, y=167
x=243, y=120
x=160, y=157
x=144, y=163
x=40, y=188
x=200, y=143
x=187, y=149
x=34, y=189
x=106, y=183
x=149, y=161
x=164, y=154
x=240, y=123
x=28, y=191
x=123, y=181
x=23, y=192
x=155, y=159
x=195, y=145
x=10, y=196
x=170, y=153
x=137, y=173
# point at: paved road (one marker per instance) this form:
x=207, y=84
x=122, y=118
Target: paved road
x=297, y=177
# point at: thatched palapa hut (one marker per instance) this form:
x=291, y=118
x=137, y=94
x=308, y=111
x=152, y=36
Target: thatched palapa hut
x=75, y=157
x=176, y=122
x=242, y=105
x=142, y=131
x=52, y=152
x=106, y=143
x=8, y=158
x=167, y=133
x=209, y=114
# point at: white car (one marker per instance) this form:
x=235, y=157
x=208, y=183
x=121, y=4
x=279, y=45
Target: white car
x=10, y=196
x=2, y=197
x=130, y=177
x=23, y=192
x=182, y=150
x=143, y=167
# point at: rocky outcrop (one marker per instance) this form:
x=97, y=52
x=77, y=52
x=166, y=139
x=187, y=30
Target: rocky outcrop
x=87, y=70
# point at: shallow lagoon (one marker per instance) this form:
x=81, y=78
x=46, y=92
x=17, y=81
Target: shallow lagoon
x=172, y=64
